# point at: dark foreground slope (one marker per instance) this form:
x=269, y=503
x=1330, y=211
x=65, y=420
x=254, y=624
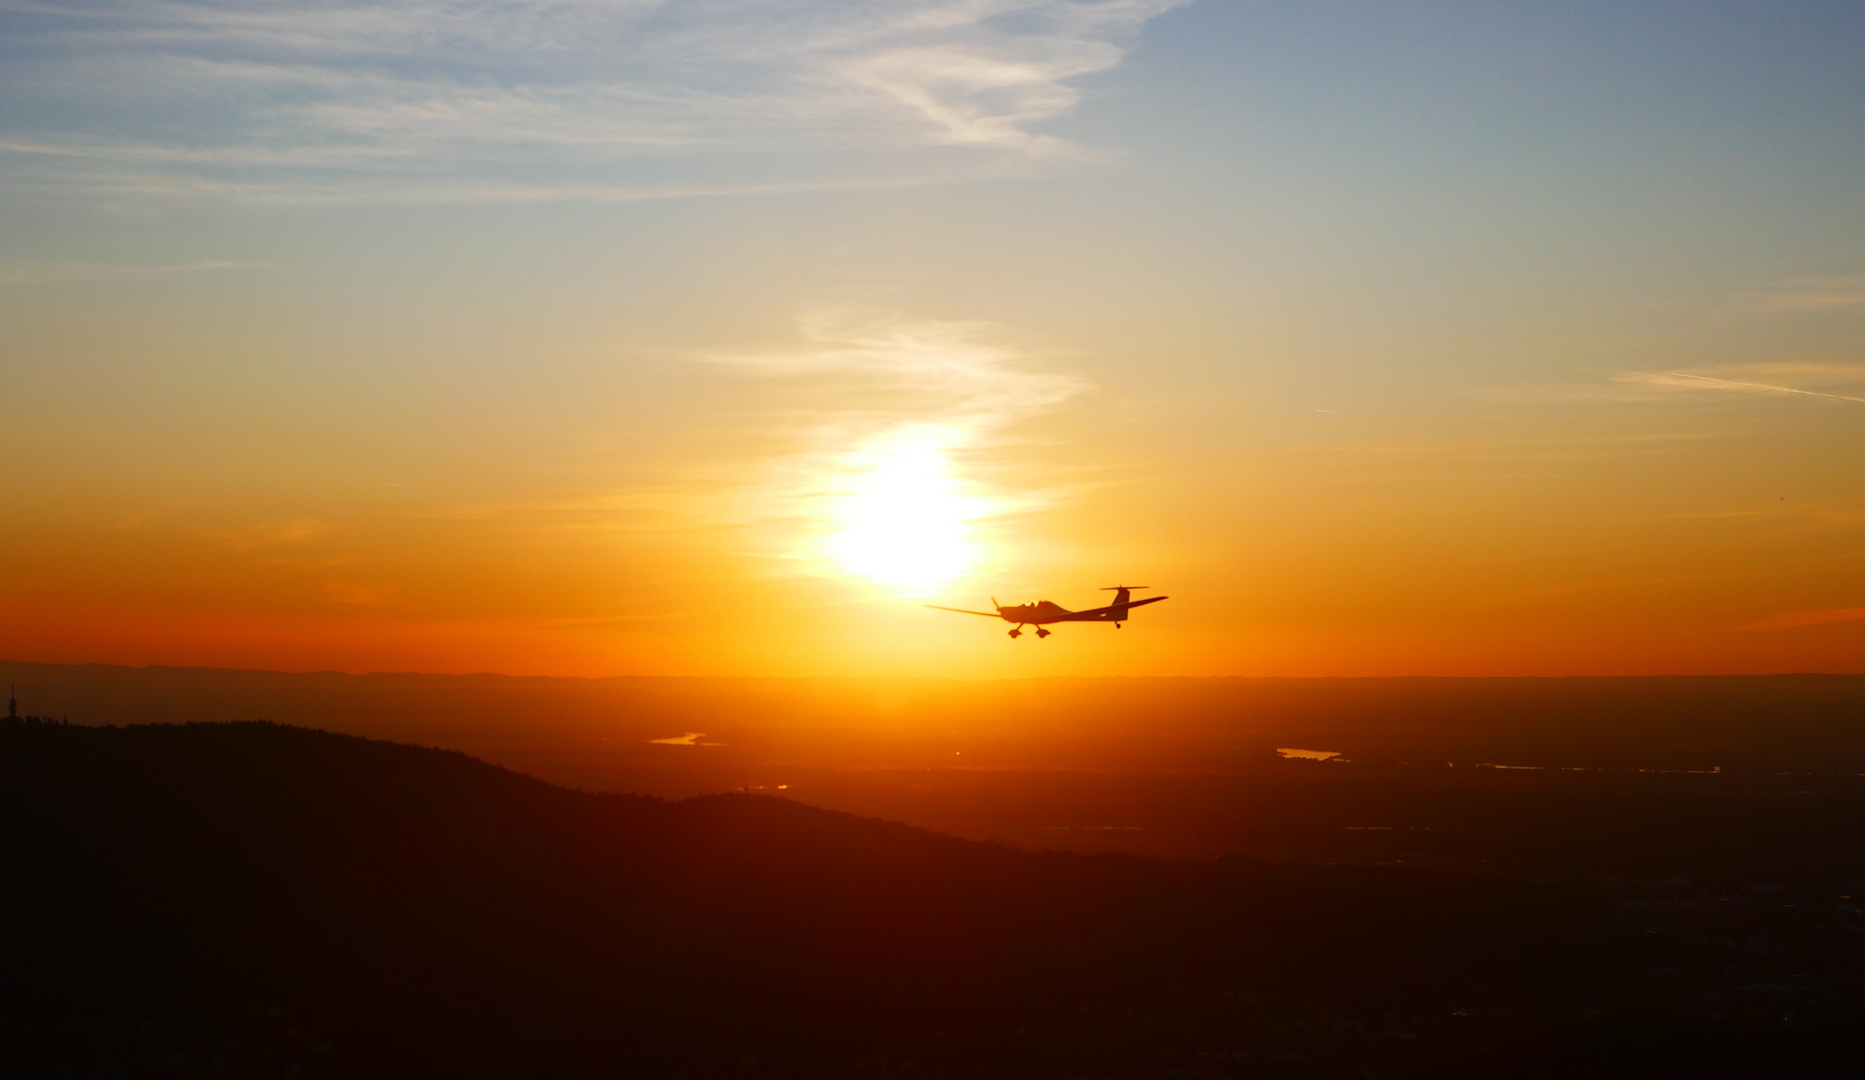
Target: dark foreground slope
x=249, y=899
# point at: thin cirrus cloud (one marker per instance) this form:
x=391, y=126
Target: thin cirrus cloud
x=868, y=386
x=1692, y=381
x=891, y=392
x=531, y=99
x=1742, y=380
x=1812, y=294
x=44, y=273
x=962, y=373
x=1791, y=620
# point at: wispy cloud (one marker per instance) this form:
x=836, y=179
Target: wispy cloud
x=1685, y=380
x=635, y=98
x=967, y=373
x=1538, y=393
x=893, y=474
x=1796, y=295
x=274, y=534
x=1788, y=620
x=1777, y=379
x=37, y=273
x=350, y=593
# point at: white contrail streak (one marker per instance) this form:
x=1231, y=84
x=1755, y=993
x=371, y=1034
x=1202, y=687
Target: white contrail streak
x=1731, y=384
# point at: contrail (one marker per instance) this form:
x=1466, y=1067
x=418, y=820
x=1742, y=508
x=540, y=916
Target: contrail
x=1734, y=385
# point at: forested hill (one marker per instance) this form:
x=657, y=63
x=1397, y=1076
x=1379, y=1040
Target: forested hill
x=257, y=900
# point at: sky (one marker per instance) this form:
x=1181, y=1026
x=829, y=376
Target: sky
x=689, y=337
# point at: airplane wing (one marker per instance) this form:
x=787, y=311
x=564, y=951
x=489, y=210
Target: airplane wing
x=1104, y=612
x=962, y=611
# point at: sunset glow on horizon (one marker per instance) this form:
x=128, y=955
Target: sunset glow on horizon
x=669, y=339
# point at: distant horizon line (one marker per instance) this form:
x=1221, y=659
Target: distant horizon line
x=6, y=662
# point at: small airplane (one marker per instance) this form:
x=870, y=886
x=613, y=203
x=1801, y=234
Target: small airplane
x=1043, y=612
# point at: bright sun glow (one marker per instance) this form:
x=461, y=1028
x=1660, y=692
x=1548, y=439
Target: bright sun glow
x=902, y=514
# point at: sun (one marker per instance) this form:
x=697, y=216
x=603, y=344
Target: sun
x=902, y=515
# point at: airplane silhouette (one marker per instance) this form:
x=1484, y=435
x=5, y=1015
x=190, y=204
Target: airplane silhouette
x=1044, y=611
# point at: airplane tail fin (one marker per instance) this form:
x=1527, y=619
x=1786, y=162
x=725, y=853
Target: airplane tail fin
x=1123, y=594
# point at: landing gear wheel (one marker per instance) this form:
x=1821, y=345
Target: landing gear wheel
x=1016, y=632
x=1041, y=633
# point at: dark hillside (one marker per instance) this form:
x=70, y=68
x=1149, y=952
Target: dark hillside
x=249, y=899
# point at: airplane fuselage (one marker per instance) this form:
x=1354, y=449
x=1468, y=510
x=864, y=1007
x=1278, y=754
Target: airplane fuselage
x=1043, y=612
x=1046, y=611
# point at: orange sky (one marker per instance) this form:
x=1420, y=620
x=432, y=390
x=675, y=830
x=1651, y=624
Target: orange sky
x=1379, y=360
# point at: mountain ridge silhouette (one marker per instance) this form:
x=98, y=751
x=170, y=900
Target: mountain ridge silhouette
x=254, y=899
